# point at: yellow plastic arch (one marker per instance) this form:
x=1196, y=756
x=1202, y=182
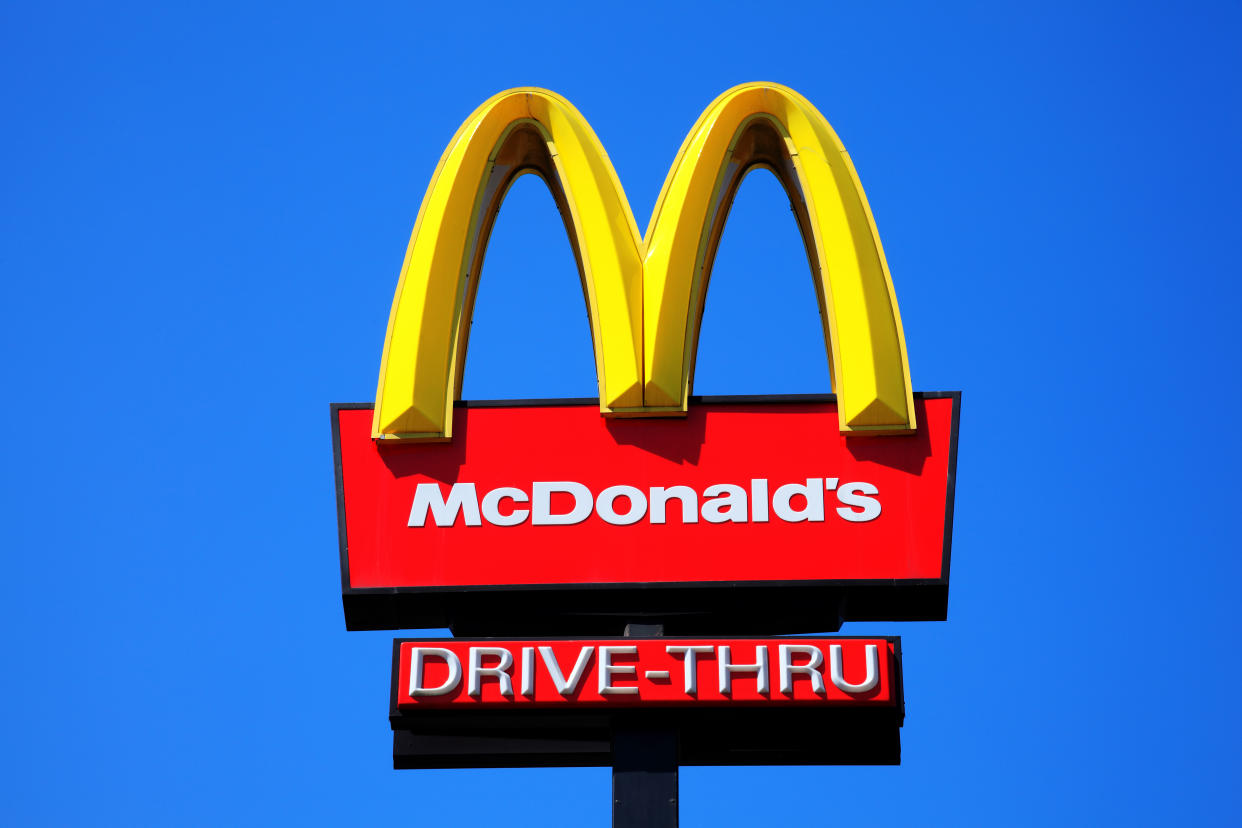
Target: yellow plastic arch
x=644, y=297
x=774, y=127
x=518, y=131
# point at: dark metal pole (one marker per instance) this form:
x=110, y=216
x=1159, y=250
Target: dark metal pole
x=644, y=764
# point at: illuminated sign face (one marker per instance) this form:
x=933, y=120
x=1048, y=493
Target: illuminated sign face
x=753, y=701
x=768, y=514
x=660, y=672
x=535, y=510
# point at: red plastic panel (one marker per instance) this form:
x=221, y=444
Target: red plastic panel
x=728, y=443
x=792, y=671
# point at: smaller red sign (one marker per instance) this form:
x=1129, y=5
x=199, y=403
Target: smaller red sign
x=650, y=672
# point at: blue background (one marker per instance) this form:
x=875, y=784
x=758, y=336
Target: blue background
x=204, y=211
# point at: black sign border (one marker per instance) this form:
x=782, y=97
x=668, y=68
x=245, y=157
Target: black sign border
x=684, y=608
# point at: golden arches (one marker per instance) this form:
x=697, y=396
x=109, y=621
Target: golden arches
x=522, y=130
x=644, y=296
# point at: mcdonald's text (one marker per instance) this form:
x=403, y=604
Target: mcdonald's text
x=722, y=503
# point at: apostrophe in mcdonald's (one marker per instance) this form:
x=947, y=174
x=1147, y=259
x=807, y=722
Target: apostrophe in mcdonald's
x=644, y=294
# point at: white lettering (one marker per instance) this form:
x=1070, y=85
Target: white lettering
x=416, y=671
x=852, y=494
x=491, y=506
x=575, y=503
x=607, y=670
x=606, y=502
x=786, y=653
x=728, y=503
x=500, y=672
x=566, y=686
x=689, y=499
x=728, y=668
x=690, y=653
x=528, y=671
x=838, y=674
x=759, y=500
x=462, y=498
x=541, y=503
x=813, y=491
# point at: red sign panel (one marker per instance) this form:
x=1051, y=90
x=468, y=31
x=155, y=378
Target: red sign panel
x=660, y=672
x=739, y=493
x=724, y=701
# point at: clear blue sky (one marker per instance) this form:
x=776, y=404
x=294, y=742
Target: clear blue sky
x=202, y=214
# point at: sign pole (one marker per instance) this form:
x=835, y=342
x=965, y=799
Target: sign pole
x=644, y=765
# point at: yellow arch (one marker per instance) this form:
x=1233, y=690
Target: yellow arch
x=518, y=131
x=645, y=298
x=763, y=124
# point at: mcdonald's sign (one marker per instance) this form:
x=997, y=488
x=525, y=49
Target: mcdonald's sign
x=767, y=514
